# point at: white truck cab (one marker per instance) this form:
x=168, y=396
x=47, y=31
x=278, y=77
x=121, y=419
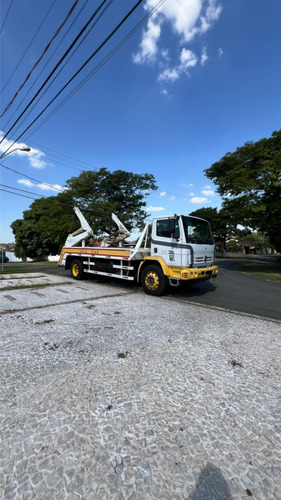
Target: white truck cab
x=183, y=241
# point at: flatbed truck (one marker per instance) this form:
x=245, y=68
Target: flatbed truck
x=171, y=250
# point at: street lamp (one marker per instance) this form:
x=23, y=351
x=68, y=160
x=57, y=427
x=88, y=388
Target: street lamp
x=25, y=149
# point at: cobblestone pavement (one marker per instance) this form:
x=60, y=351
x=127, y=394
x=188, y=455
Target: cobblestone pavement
x=107, y=393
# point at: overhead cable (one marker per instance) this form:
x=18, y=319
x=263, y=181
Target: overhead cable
x=33, y=38
x=79, y=70
x=42, y=55
x=4, y=22
x=66, y=62
x=46, y=64
x=22, y=190
x=18, y=194
x=98, y=66
x=55, y=68
x=67, y=157
x=32, y=179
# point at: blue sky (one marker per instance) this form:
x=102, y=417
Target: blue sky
x=197, y=79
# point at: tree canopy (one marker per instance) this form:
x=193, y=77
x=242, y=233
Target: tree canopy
x=249, y=180
x=48, y=221
x=217, y=220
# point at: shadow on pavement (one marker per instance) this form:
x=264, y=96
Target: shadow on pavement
x=211, y=484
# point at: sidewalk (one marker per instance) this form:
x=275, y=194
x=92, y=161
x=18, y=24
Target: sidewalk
x=107, y=393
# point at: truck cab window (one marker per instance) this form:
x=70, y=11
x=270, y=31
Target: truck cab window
x=162, y=229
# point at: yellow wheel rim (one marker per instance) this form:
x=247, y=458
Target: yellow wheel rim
x=152, y=281
x=75, y=270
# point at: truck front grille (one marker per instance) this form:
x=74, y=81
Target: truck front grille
x=203, y=261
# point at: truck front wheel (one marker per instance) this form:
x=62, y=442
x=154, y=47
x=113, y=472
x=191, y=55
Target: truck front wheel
x=153, y=281
x=76, y=269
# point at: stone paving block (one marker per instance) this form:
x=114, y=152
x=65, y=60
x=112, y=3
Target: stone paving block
x=190, y=411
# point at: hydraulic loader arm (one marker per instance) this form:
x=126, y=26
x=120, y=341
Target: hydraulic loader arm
x=116, y=237
x=81, y=234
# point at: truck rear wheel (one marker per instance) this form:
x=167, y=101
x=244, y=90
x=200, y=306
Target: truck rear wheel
x=153, y=281
x=76, y=269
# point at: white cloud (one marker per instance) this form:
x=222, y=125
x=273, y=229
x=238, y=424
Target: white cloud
x=50, y=187
x=166, y=94
x=34, y=156
x=198, y=200
x=163, y=193
x=187, y=60
x=220, y=52
x=169, y=74
x=155, y=209
x=208, y=192
x=204, y=56
x=165, y=54
x=44, y=187
x=148, y=45
x=187, y=19
x=211, y=15
x=26, y=182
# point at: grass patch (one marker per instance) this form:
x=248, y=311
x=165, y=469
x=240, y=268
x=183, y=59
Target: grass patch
x=17, y=270
x=269, y=272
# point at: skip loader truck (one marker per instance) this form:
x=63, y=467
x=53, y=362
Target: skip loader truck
x=171, y=250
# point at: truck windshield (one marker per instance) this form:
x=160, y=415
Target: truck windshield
x=197, y=231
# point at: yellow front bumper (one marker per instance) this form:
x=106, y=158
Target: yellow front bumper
x=199, y=273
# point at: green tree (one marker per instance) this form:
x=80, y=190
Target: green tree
x=44, y=227
x=250, y=182
x=99, y=193
x=217, y=219
x=48, y=221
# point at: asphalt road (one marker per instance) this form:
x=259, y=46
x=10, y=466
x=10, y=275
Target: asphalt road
x=235, y=291
x=231, y=290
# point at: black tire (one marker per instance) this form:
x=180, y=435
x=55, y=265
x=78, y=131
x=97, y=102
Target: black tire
x=153, y=281
x=76, y=269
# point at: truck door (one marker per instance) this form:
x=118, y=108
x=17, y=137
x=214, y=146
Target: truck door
x=165, y=244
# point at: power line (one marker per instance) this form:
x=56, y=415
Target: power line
x=80, y=69
x=18, y=194
x=32, y=179
x=67, y=61
x=98, y=67
x=42, y=55
x=55, y=68
x=4, y=22
x=45, y=65
x=68, y=158
x=22, y=190
x=33, y=38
